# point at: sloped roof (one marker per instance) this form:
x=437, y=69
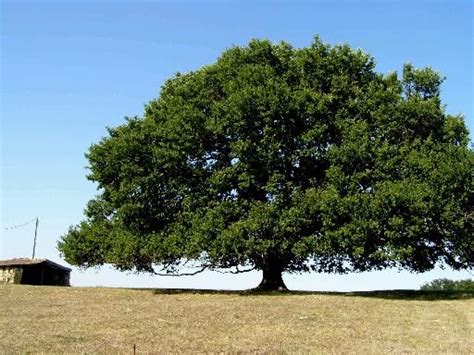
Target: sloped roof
x=28, y=261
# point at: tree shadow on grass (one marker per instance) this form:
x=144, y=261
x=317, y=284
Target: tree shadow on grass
x=408, y=295
x=416, y=295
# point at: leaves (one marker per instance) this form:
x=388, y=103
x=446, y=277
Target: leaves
x=305, y=157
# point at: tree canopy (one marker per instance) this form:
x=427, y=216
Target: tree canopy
x=283, y=159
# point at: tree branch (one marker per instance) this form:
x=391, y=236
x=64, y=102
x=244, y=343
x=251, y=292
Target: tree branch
x=205, y=267
x=237, y=271
x=182, y=274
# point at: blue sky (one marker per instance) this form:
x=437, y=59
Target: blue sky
x=71, y=68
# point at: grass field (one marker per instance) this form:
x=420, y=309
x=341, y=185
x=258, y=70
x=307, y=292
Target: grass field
x=107, y=320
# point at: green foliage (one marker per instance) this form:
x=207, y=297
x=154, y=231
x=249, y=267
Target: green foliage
x=448, y=285
x=294, y=159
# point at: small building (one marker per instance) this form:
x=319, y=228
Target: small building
x=33, y=272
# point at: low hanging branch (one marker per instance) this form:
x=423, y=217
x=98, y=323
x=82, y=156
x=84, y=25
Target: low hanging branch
x=181, y=274
x=237, y=271
x=205, y=267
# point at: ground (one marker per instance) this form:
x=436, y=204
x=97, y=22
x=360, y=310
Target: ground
x=107, y=320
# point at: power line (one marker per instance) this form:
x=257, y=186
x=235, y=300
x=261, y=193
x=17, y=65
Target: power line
x=20, y=225
x=36, y=232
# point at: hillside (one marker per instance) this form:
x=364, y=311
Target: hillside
x=91, y=320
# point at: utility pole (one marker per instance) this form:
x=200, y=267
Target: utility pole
x=34, y=241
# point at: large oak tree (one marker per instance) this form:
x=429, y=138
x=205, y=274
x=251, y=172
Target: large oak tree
x=283, y=159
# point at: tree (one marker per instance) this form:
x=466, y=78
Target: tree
x=283, y=159
x=448, y=285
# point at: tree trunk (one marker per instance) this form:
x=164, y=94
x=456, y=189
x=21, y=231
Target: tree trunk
x=272, y=278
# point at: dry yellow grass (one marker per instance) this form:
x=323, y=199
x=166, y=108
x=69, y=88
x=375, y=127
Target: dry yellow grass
x=105, y=320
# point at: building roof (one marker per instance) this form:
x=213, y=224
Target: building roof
x=28, y=261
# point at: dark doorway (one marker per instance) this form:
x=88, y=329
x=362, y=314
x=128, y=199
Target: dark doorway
x=42, y=275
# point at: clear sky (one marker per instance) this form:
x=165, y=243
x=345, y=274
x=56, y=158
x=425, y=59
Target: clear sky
x=71, y=68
